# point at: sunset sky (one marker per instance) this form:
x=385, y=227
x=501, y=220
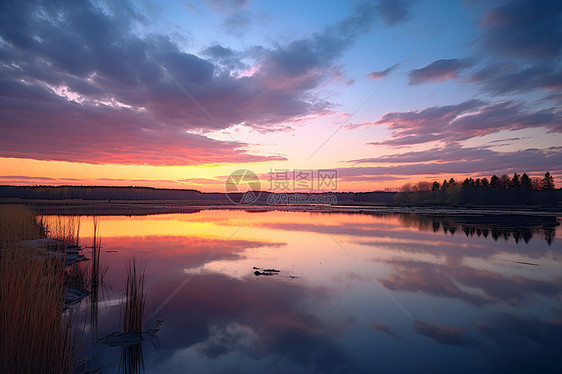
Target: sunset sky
x=182, y=93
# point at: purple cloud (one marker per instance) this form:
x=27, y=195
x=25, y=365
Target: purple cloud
x=380, y=326
x=454, y=159
x=524, y=28
x=523, y=38
x=25, y=178
x=383, y=73
x=444, y=334
x=52, y=128
x=509, y=77
x=452, y=280
x=463, y=121
x=80, y=85
x=438, y=71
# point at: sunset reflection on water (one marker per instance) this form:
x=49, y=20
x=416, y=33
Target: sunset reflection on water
x=355, y=292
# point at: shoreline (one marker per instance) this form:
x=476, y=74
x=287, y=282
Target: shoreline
x=148, y=207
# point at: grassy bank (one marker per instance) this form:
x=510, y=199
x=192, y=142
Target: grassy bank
x=34, y=335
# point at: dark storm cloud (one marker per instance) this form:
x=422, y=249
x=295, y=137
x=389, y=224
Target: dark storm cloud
x=438, y=71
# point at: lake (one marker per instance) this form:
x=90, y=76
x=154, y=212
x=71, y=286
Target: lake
x=355, y=293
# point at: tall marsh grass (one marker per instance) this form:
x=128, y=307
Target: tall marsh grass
x=135, y=300
x=34, y=336
x=132, y=360
x=89, y=275
x=95, y=275
x=64, y=228
x=18, y=223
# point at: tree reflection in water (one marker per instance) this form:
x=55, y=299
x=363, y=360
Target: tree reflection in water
x=504, y=226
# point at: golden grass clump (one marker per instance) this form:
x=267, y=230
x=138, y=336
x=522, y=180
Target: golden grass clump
x=18, y=223
x=34, y=335
x=64, y=228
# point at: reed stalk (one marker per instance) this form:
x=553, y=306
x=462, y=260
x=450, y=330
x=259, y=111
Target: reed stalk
x=135, y=299
x=34, y=335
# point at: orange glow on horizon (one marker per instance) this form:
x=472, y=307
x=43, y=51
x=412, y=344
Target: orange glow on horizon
x=205, y=178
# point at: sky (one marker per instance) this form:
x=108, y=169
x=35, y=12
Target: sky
x=180, y=94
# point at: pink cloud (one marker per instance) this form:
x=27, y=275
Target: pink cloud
x=53, y=128
x=383, y=73
x=463, y=121
x=438, y=71
x=109, y=96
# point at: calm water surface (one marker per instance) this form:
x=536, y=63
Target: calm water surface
x=356, y=293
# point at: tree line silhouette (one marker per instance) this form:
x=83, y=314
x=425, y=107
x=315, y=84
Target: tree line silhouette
x=503, y=190
x=97, y=193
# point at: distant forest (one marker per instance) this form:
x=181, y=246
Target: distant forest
x=98, y=193
x=150, y=194
x=504, y=190
x=497, y=191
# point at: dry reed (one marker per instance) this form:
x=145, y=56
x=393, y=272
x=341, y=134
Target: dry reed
x=63, y=228
x=135, y=300
x=132, y=360
x=89, y=275
x=34, y=336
